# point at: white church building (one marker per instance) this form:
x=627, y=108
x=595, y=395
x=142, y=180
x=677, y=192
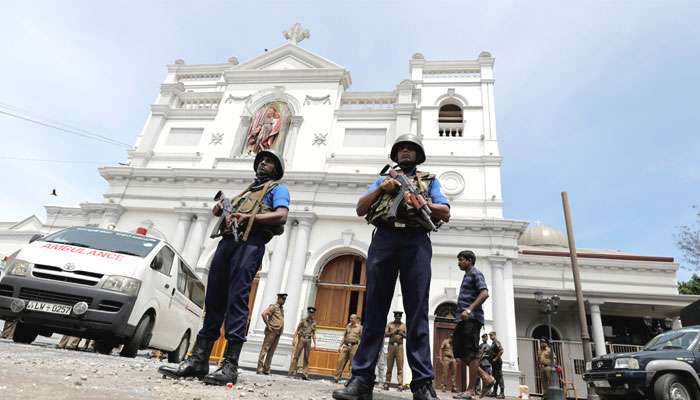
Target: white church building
x=199, y=137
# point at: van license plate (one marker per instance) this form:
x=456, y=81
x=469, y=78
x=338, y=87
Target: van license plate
x=601, y=384
x=49, y=308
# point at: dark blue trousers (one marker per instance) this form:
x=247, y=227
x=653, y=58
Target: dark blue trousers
x=228, y=287
x=405, y=253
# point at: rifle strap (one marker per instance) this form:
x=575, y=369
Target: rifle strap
x=256, y=209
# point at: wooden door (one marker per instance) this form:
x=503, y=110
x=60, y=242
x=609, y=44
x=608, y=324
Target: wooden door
x=441, y=331
x=341, y=292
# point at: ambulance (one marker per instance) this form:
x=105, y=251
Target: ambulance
x=118, y=288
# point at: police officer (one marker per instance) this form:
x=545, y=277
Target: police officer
x=396, y=332
x=348, y=346
x=496, y=352
x=303, y=338
x=484, y=361
x=449, y=364
x=400, y=245
x=261, y=212
x=274, y=324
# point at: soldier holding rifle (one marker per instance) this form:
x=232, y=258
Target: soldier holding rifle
x=400, y=246
x=256, y=215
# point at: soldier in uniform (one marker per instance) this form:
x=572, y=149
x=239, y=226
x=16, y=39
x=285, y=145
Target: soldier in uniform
x=396, y=332
x=484, y=361
x=348, y=346
x=544, y=363
x=303, y=338
x=261, y=212
x=399, y=246
x=449, y=364
x=274, y=324
x=496, y=352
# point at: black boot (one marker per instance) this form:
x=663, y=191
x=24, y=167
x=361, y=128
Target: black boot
x=424, y=391
x=354, y=390
x=228, y=372
x=196, y=365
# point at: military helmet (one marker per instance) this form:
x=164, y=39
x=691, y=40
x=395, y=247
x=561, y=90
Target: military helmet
x=279, y=162
x=408, y=138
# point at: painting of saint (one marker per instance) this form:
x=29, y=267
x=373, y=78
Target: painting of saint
x=268, y=128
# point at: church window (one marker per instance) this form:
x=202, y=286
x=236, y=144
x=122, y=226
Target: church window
x=450, y=121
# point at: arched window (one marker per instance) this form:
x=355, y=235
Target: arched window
x=446, y=312
x=450, y=121
x=542, y=332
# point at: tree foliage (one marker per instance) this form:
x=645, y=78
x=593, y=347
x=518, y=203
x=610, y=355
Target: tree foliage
x=691, y=286
x=688, y=241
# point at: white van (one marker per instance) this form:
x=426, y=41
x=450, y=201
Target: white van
x=114, y=287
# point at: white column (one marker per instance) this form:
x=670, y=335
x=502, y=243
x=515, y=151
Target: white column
x=111, y=215
x=184, y=219
x=275, y=272
x=597, y=330
x=677, y=323
x=498, y=298
x=296, y=272
x=193, y=245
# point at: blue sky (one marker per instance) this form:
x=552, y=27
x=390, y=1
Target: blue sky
x=598, y=98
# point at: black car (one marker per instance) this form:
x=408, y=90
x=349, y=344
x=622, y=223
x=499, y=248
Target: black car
x=668, y=368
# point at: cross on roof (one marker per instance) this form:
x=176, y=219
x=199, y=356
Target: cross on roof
x=296, y=34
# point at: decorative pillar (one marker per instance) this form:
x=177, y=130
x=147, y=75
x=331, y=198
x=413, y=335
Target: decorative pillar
x=296, y=272
x=503, y=316
x=193, y=245
x=239, y=137
x=111, y=215
x=498, y=298
x=275, y=272
x=677, y=323
x=184, y=219
x=292, y=136
x=597, y=329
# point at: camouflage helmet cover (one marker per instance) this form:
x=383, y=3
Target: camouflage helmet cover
x=279, y=162
x=408, y=138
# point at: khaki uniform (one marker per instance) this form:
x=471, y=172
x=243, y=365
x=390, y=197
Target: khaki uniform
x=351, y=340
x=449, y=365
x=8, y=330
x=545, y=362
x=305, y=333
x=273, y=331
x=396, y=331
x=68, y=342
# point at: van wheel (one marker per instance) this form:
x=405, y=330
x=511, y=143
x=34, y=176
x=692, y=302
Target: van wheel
x=135, y=342
x=24, y=333
x=104, y=346
x=179, y=354
x=673, y=387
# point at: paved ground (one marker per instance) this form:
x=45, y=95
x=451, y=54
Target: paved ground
x=39, y=371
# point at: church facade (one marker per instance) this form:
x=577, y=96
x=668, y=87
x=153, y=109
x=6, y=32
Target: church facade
x=206, y=125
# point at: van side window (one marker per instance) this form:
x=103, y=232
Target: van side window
x=166, y=256
x=181, y=278
x=196, y=292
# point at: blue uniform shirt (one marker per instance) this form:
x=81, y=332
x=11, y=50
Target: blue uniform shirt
x=435, y=190
x=472, y=283
x=278, y=197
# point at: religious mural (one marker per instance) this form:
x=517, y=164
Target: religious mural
x=269, y=127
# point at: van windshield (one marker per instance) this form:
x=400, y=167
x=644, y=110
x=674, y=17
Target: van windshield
x=102, y=239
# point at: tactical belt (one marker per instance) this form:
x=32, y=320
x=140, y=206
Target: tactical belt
x=350, y=343
x=395, y=343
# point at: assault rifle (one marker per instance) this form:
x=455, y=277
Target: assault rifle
x=220, y=228
x=417, y=200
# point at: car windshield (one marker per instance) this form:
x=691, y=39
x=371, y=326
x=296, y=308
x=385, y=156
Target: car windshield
x=101, y=239
x=673, y=340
